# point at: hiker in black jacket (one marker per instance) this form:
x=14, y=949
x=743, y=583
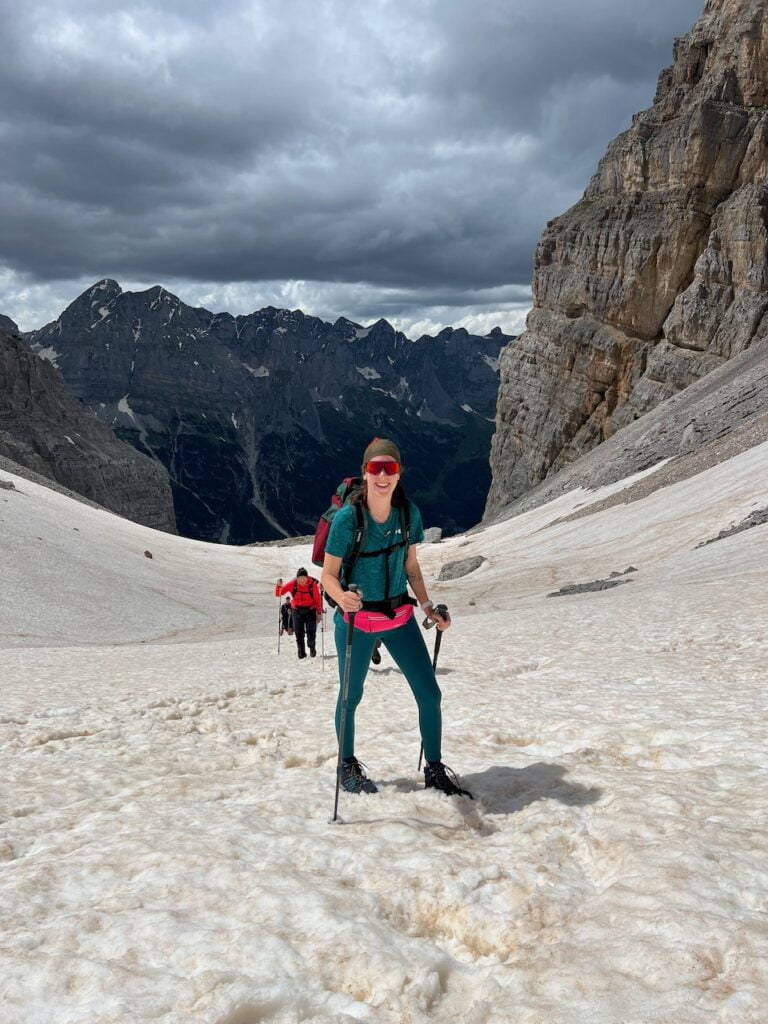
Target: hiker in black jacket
x=286, y=617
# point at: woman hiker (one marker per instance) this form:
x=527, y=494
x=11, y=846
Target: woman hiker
x=382, y=571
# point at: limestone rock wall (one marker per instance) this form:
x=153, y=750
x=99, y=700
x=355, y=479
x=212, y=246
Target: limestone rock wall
x=660, y=273
x=45, y=429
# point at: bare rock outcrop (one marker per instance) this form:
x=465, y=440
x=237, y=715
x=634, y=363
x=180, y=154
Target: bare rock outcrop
x=717, y=417
x=659, y=274
x=43, y=428
x=463, y=567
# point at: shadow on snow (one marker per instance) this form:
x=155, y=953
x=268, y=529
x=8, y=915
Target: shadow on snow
x=505, y=790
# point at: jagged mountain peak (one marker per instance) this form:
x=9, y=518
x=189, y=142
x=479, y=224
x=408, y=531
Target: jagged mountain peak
x=276, y=312
x=89, y=307
x=381, y=332
x=453, y=332
x=343, y=321
x=101, y=293
x=382, y=325
x=106, y=285
x=6, y=324
x=160, y=294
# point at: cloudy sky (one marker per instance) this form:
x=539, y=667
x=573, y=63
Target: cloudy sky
x=393, y=158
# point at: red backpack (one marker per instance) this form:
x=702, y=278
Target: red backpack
x=309, y=594
x=341, y=496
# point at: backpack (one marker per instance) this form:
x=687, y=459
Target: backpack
x=341, y=497
x=310, y=591
x=343, y=492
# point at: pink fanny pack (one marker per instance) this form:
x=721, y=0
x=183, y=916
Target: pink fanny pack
x=378, y=622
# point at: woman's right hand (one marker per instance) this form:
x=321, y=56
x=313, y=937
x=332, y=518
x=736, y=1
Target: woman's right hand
x=350, y=601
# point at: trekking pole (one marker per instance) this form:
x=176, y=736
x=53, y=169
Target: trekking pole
x=322, y=638
x=344, y=700
x=279, y=620
x=428, y=623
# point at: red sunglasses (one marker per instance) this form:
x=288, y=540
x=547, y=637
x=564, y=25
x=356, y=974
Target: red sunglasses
x=375, y=467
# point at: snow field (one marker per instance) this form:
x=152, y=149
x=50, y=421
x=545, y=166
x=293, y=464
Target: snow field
x=165, y=850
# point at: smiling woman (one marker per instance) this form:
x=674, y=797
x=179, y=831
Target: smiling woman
x=380, y=609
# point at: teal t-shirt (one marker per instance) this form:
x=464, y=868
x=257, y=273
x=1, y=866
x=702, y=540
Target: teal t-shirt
x=369, y=573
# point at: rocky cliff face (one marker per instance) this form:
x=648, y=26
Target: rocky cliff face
x=659, y=274
x=257, y=417
x=721, y=414
x=44, y=429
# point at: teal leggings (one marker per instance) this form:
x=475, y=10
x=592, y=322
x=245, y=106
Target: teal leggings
x=407, y=647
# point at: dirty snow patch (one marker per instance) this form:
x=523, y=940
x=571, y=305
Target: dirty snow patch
x=368, y=372
x=122, y=406
x=50, y=354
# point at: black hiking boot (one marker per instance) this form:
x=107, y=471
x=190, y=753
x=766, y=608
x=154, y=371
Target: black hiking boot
x=439, y=776
x=312, y=652
x=353, y=779
x=376, y=656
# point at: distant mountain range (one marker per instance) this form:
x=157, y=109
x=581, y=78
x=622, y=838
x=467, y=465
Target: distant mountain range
x=257, y=417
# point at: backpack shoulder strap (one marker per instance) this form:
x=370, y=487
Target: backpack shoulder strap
x=358, y=538
x=405, y=526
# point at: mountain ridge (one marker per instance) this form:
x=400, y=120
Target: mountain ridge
x=239, y=408
x=45, y=430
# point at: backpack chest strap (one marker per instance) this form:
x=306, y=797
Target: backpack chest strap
x=390, y=606
x=382, y=551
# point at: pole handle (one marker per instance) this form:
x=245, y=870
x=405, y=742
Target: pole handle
x=439, y=609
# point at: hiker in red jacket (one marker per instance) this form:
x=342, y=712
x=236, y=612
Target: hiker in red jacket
x=307, y=605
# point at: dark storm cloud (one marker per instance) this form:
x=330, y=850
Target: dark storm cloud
x=406, y=145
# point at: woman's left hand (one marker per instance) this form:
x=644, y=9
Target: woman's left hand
x=442, y=622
